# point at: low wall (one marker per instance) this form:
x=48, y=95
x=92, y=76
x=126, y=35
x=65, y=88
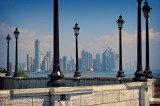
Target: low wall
x=128, y=94
x=41, y=82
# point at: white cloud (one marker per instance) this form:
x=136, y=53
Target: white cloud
x=46, y=43
x=129, y=43
x=47, y=38
x=152, y=35
x=26, y=39
x=71, y=50
x=91, y=44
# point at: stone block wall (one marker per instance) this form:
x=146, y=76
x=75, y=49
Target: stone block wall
x=128, y=94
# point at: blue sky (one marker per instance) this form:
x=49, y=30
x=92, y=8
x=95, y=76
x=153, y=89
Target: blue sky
x=96, y=18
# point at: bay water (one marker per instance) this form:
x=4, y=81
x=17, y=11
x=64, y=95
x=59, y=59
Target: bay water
x=155, y=73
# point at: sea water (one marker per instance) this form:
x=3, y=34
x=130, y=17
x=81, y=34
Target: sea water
x=155, y=73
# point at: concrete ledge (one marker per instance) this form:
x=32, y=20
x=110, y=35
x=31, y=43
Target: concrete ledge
x=109, y=87
x=71, y=90
x=29, y=92
x=4, y=93
x=136, y=85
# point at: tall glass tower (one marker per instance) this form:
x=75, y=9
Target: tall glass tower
x=37, y=56
x=64, y=63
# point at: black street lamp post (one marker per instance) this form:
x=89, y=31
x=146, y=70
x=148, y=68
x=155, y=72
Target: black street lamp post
x=139, y=74
x=76, y=31
x=146, y=10
x=8, y=39
x=16, y=73
x=56, y=76
x=120, y=22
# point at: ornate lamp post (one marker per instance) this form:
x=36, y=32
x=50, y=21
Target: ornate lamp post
x=139, y=75
x=16, y=73
x=56, y=76
x=76, y=33
x=146, y=10
x=8, y=39
x=120, y=22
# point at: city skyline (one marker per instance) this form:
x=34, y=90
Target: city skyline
x=98, y=27
x=107, y=61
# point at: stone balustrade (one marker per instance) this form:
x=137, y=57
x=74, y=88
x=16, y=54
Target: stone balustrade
x=126, y=94
x=41, y=82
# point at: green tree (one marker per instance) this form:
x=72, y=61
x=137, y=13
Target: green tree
x=3, y=70
x=22, y=74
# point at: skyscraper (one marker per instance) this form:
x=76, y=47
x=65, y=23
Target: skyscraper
x=29, y=62
x=109, y=60
x=48, y=63
x=94, y=65
x=79, y=64
x=64, y=63
x=106, y=59
x=71, y=64
x=41, y=59
x=89, y=61
x=24, y=65
x=98, y=62
x=86, y=61
x=61, y=63
x=44, y=65
x=49, y=59
x=83, y=60
x=37, y=56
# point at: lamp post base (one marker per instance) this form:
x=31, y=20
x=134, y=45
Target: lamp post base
x=139, y=79
x=16, y=74
x=56, y=83
x=77, y=74
x=148, y=73
x=56, y=80
x=139, y=76
x=120, y=73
